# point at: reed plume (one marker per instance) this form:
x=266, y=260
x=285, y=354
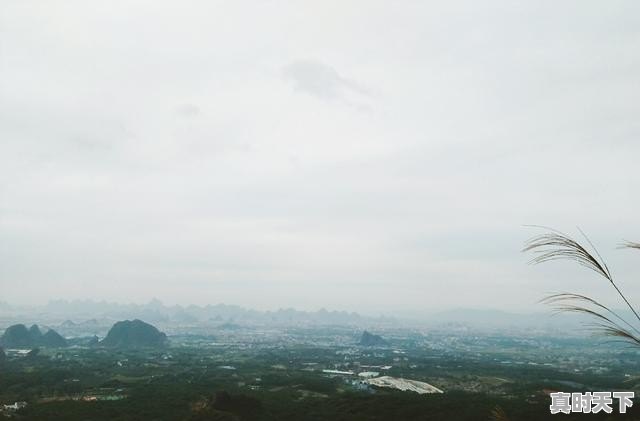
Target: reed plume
x=555, y=245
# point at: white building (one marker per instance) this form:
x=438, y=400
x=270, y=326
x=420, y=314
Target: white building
x=15, y=406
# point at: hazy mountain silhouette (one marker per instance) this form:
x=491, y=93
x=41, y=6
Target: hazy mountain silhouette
x=134, y=334
x=157, y=312
x=18, y=336
x=53, y=339
x=369, y=339
x=35, y=332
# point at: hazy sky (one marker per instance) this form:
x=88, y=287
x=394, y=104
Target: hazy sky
x=351, y=155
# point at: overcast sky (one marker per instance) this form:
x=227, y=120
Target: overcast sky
x=357, y=155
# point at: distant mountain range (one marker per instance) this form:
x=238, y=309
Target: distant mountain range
x=87, y=318
x=156, y=312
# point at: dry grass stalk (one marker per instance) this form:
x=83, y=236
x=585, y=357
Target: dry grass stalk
x=555, y=245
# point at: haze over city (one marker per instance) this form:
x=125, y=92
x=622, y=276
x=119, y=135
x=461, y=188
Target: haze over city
x=349, y=156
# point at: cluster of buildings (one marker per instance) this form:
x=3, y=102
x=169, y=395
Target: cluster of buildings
x=8, y=410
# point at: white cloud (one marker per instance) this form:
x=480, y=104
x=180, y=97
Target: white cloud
x=321, y=80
